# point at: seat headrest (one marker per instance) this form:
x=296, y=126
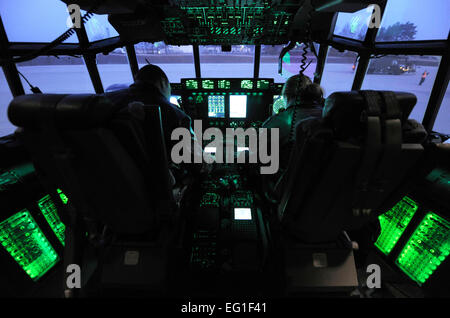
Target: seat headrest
x=65, y=111
x=343, y=110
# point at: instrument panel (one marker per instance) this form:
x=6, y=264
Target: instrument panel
x=227, y=102
x=201, y=22
x=245, y=84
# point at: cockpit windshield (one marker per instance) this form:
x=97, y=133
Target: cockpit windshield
x=401, y=21
x=176, y=61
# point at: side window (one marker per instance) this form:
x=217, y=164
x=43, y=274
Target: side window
x=6, y=127
x=35, y=21
x=114, y=69
x=415, y=20
x=339, y=71
x=353, y=25
x=407, y=73
x=99, y=28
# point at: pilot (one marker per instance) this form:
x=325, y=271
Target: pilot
x=152, y=87
x=303, y=100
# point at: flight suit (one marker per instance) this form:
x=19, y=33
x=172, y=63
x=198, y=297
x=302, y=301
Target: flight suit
x=286, y=127
x=283, y=121
x=172, y=117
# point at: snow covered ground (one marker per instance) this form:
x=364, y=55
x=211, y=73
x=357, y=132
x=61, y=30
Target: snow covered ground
x=336, y=77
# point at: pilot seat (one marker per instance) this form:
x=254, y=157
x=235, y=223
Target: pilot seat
x=112, y=165
x=345, y=169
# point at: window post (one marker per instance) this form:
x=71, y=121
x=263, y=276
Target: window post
x=198, y=73
x=437, y=94
x=9, y=69
x=257, y=60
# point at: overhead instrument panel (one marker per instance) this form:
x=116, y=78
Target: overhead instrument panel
x=221, y=22
x=227, y=22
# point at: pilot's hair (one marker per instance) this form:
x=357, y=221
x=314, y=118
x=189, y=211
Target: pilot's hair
x=150, y=74
x=307, y=91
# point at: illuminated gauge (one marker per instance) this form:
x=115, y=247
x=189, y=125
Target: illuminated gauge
x=208, y=84
x=27, y=244
x=192, y=84
x=199, y=99
x=426, y=248
x=262, y=84
x=247, y=84
x=223, y=84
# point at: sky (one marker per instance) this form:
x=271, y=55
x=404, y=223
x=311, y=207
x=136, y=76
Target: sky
x=45, y=20
x=430, y=16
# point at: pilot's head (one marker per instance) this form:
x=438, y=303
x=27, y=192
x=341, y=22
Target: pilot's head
x=153, y=75
x=304, y=92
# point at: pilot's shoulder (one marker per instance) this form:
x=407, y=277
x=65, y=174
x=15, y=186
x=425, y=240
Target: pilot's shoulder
x=268, y=121
x=273, y=120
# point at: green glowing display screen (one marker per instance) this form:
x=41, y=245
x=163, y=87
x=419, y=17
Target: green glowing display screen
x=216, y=106
x=393, y=224
x=262, y=84
x=223, y=84
x=62, y=196
x=426, y=249
x=192, y=84
x=208, y=84
x=48, y=209
x=247, y=84
x=24, y=241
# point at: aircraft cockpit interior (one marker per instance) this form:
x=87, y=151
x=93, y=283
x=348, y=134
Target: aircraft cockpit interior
x=224, y=148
